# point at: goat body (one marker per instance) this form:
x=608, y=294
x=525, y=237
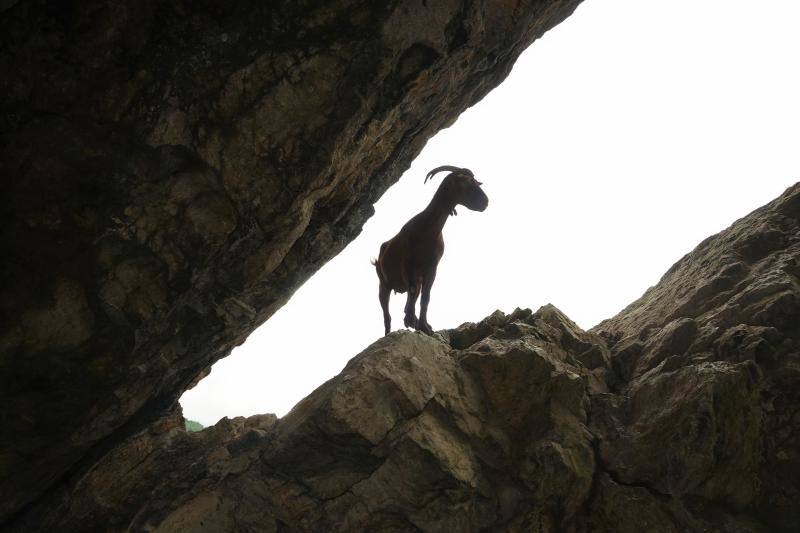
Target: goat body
x=407, y=262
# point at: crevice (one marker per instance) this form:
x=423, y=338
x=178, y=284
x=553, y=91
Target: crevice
x=604, y=468
x=312, y=493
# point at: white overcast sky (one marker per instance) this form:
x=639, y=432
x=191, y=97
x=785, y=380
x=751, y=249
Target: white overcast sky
x=622, y=138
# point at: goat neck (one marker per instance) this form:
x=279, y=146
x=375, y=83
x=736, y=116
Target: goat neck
x=437, y=212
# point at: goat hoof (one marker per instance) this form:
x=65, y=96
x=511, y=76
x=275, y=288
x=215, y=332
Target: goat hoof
x=425, y=328
x=410, y=322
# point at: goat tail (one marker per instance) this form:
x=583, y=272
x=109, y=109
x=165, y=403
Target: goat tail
x=377, y=266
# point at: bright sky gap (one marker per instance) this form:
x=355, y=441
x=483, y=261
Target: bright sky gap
x=622, y=138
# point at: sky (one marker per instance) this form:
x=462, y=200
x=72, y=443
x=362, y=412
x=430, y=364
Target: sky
x=621, y=139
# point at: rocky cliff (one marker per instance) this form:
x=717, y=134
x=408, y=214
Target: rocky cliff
x=171, y=171
x=682, y=413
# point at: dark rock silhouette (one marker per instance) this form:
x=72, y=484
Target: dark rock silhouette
x=173, y=170
x=678, y=414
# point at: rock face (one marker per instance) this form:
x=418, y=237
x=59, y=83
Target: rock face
x=173, y=170
x=706, y=410
x=679, y=414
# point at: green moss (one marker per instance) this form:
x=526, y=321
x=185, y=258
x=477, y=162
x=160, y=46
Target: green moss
x=191, y=425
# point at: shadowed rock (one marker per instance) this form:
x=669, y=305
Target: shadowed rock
x=173, y=171
x=412, y=434
x=709, y=388
x=520, y=422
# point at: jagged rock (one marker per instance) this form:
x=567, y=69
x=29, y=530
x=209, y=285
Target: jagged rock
x=412, y=434
x=173, y=171
x=520, y=422
x=709, y=363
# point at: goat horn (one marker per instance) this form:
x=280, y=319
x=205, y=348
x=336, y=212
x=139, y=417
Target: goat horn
x=449, y=168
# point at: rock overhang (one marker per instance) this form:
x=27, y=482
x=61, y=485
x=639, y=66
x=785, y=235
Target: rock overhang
x=173, y=171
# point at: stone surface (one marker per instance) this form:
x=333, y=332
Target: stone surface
x=412, y=434
x=707, y=406
x=173, y=170
x=657, y=420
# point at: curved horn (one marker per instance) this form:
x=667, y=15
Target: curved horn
x=449, y=168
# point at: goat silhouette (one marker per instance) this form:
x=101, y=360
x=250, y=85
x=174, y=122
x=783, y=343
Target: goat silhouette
x=407, y=262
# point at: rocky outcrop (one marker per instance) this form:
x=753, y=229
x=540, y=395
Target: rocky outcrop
x=707, y=407
x=679, y=414
x=413, y=434
x=173, y=170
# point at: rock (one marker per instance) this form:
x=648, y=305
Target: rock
x=521, y=422
x=412, y=434
x=177, y=169
x=173, y=171
x=707, y=364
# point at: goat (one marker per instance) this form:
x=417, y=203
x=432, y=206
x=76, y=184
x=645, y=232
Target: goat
x=407, y=262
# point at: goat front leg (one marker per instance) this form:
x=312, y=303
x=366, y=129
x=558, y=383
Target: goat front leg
x=383, y=295
x=410, y=320
x=422, y=324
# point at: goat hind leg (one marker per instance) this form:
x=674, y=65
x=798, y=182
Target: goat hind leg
x=383, y=295
x=410, y=319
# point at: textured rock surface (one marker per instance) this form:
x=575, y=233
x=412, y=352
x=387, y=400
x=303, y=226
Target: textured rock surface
x=707, y=406
x=680, y=414
x=173, y=170
x=412, y=434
